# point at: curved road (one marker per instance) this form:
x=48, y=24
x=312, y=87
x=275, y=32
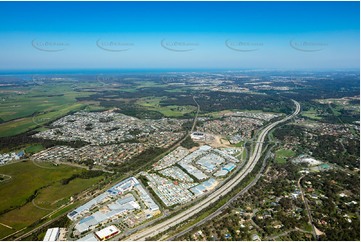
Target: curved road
x=226, y=188
x=307, y=208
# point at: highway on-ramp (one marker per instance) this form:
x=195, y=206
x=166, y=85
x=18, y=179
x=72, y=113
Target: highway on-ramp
x=222, y=191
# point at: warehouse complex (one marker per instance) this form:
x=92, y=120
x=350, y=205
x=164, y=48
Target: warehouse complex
x=112, y=204
x=178, y=178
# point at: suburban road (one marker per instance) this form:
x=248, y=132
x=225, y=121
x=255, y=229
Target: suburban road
x=174, y=146
x=157, y=158
x=226, y=188
x=195, y=117
x=307, y=208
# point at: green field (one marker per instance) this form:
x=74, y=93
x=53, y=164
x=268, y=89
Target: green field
x=60, y=194
x=283, y=154
x=22, y=125
x=37, y=99
x=27, y=177
x=340, y=104
x=146, y=84
x=175, y=90
x=336, y=110
x=22, y=108
x=312, y=114
x=153, y=103
x=240, y=144
x=244, y=154
x=32, y=149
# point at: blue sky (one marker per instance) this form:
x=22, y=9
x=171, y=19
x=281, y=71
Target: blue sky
x=220, y=35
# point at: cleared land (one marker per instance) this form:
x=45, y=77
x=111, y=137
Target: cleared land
x=220, y=114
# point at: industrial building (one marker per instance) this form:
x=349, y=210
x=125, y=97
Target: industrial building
x=107, y=233
x=220, y=173
x=229, y=167
x=204, y=187
x=52, y=234
x=112, y=210
x=193, y=171
x=89, y=237
x=225, y=170
x=119, y=207
x=86, y=207
x=197, y=136
x=210, y=162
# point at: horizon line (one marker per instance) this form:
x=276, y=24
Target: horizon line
x=129, y=70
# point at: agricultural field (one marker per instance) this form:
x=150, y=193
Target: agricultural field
x=45, y=98
x=22, y=125
x=22, y=109
x=36, y=190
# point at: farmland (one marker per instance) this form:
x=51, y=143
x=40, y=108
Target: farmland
x=24, y=109
x=22, y=125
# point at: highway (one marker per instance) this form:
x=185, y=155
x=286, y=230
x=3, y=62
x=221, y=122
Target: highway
x=173, y=147
x=221, y=209
x=213, y=197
